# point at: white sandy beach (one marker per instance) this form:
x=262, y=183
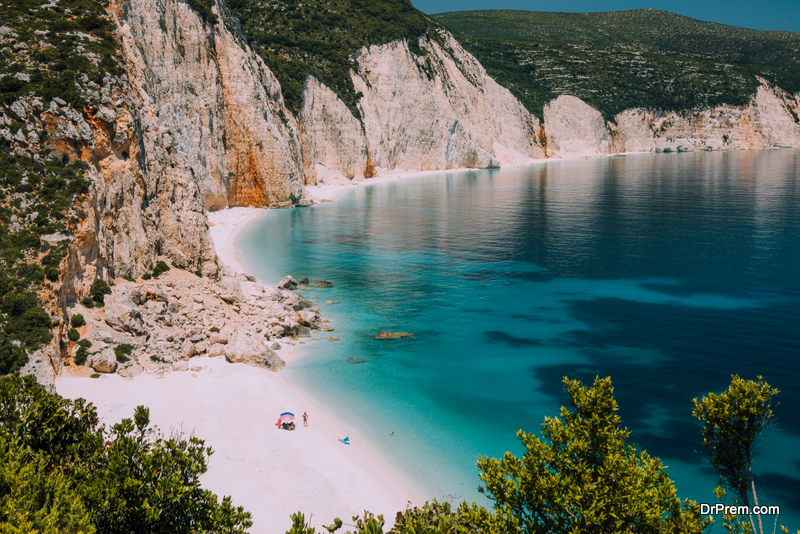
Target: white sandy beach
x=271, y=472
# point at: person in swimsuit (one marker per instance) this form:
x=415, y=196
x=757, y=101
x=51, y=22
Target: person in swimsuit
x=305, y=419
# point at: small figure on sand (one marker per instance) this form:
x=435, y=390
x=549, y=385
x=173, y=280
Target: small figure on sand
x=279, y=423
x=305, y=419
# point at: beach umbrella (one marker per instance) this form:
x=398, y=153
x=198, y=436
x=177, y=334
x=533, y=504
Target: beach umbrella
x=286, y=417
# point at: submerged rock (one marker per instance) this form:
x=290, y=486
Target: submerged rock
x=393, y=335
x=354, y=360
x=321, y=283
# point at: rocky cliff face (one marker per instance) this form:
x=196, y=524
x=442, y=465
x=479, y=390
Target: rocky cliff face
x=574, y=129
x=209, y=106
x=435, y=111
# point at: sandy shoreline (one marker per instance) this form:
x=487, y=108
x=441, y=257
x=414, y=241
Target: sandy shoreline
x=272, y=473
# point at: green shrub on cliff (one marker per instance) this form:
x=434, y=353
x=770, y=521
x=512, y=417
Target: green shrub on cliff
x=123, y=351
x=77, y=320
x=99, y=290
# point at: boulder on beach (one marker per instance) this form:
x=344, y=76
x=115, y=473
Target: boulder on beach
x=104, y=362
x=321, y=283
x=288, y=283
x=121, y=314
x=252, y=351
x=393, y=335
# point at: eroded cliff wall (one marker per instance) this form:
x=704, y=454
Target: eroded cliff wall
x=210, y=103
x=574, y=129
x=438, y=110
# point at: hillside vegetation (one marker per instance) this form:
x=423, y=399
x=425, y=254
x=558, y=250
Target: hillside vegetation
x=615, y=61
x=296, y=39
x=55, y=58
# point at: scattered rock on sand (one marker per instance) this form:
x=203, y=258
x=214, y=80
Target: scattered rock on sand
x=252, y=351
x=393, y=335
x=104, y=362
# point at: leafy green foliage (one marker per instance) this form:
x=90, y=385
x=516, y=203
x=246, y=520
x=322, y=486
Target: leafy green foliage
x=123, y=351
x=77, y=321
x=297, y=39
x=130, y=479
x=733, y=424
x=150, y=484
x=73, y=334
x=99, y=290
x=582, y=476
x=160, y=268
x=80, y=356
x=35, y=498
x=203, y=7
x=616, y=61
x=646, y=30
x=438, y=518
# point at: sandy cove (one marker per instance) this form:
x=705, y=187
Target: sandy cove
x=234, y=407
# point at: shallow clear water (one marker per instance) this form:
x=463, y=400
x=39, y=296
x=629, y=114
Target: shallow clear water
x=667, y=272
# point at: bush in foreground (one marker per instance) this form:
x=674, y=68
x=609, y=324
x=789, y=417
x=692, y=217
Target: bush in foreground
x=62, y=472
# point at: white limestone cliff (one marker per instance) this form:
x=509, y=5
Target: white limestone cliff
x=575, y=129
x=209, y=106
x=432, y=112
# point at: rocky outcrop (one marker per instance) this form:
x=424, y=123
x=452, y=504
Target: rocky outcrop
x=574, y=129
x=431, y=112
x=440, y=110
x=333, y=141
x=178, y=316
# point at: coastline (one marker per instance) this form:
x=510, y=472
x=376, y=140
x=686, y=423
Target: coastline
x=329, y=192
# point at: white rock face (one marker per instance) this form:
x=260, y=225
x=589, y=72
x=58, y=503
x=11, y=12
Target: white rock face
x=426, y=113
x=209, y=106
x=436, y=112
x=575, y=129
x=332, y=138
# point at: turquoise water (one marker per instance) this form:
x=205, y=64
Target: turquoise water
x=667, y=272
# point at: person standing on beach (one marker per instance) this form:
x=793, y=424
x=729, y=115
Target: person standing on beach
x=305, y=419
x=279, y=423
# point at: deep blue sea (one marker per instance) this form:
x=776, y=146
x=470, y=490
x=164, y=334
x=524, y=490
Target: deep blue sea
x=667, y=272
